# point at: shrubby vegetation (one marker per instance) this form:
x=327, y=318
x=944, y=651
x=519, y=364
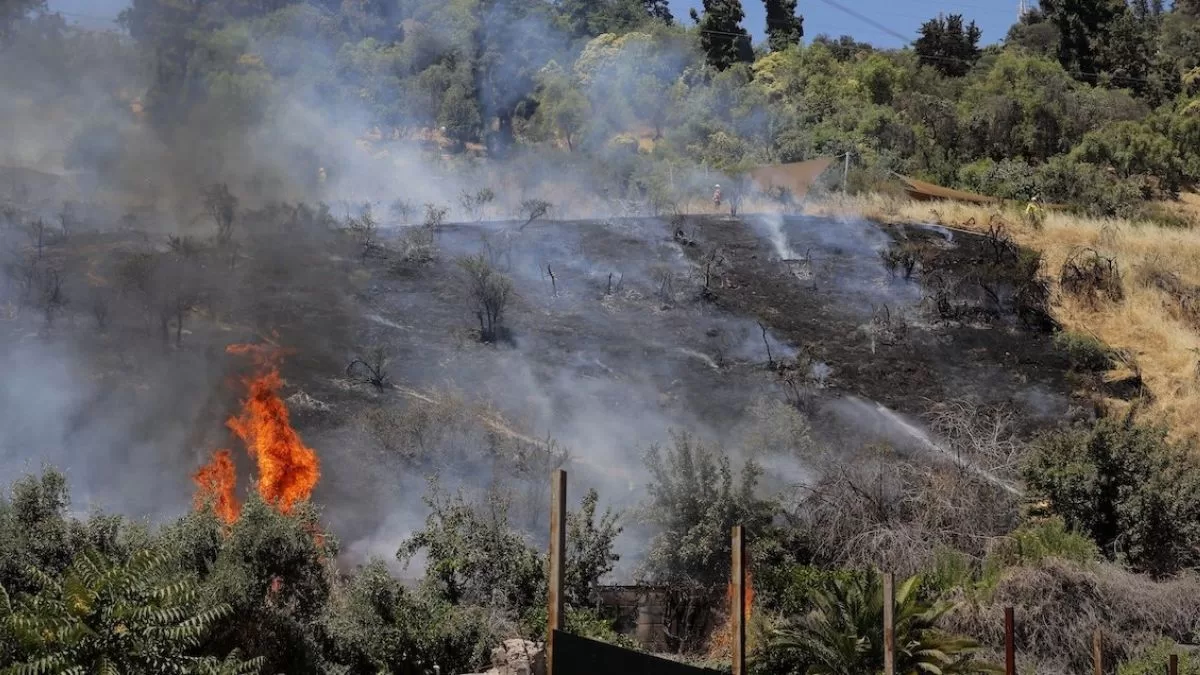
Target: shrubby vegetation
x=1093, y=106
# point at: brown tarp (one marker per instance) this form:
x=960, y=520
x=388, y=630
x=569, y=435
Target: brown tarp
x=574, y=655
x=796, y=177
x=919, y=189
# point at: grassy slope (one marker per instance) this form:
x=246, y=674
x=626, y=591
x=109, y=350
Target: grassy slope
x=1147, y=323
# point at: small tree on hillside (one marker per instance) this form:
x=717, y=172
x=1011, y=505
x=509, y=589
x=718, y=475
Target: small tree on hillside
x=949, y=46
x=222, y=206
x=490, y=292
x=459, y=116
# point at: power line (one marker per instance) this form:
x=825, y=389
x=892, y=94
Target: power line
x=867, y=19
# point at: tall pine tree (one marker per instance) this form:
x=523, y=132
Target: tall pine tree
x=784, y=27
x=948, y=45
x=659, y=9
x=1083, y=26
x=724, y=40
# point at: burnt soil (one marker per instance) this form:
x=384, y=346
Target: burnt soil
x=986, y=353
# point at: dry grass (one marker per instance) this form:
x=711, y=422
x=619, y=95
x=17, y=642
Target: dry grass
x=1059, y=605
x=1148, y=323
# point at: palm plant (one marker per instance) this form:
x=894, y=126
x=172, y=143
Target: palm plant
x=109, y=618
x=843, y=634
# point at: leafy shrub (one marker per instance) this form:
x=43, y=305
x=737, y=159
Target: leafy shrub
x=104, y=616
x=843, y=632
x=473, y=555
x=1034, y=543
x=1086, y=353
x=1126, y=485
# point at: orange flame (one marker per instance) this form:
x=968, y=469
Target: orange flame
x=215, y=482
x=287, y=469
x=721, y=642
x=747, y=595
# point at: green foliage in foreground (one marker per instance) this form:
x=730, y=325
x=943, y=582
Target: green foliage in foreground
x=106, y=617
x=842, y=633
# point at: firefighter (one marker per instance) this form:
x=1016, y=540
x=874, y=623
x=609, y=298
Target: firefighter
x=1034, y=213
x=717, y=197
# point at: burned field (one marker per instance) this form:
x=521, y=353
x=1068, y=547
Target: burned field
x=487, y=353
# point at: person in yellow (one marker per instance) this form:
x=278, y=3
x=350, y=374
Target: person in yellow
x=1034, y=214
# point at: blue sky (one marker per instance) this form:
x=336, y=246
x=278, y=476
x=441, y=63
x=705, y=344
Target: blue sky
x=902, y=16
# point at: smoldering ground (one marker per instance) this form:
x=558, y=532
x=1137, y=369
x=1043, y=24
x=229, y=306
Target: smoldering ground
x=613, y=338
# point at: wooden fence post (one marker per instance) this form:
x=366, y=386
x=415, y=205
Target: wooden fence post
x=737, y=602
x=1097, y=653
x=1010, y=647
x=558, y=546
x=889, y=623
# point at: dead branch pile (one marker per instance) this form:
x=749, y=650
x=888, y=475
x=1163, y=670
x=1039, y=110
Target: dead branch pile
x=1185, y=299
x=1062, y=603
x=1091, y=277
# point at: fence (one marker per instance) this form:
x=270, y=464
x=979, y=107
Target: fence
x=568, y=654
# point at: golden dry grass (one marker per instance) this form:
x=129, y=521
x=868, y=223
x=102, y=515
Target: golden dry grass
x=1145, y=323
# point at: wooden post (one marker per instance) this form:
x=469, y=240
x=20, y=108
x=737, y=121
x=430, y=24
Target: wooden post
x=1173, y=665
x=737, y=603
x=1097, y=653
x=1010, y=647
x=889, y=624
x=846, y=174
x=558, y=547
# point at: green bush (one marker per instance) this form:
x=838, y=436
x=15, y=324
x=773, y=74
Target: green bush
x=842, y=633
x=1135, y=492
x=1034, y=543
x=1086, y=353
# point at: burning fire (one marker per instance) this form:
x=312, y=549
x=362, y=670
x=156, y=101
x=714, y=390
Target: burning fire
x=287, y=469
x=721, y=643
x=216, y=482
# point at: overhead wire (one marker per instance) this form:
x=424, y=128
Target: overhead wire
x=832, y=3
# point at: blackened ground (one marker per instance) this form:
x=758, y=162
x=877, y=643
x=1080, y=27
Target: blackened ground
x=827, y=311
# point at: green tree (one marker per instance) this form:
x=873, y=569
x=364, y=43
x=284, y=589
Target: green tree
x=1126, y=485
x=722, y=37
x=694, y=502
x=13, y=12
x=784, y=27
x=1135, y=149
x=949, y=46
x=459, y=116
x=589, y=549
x=473, y=556
x=842, y=633
x=110, y=617
x=659, y=9
x=562, y=109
